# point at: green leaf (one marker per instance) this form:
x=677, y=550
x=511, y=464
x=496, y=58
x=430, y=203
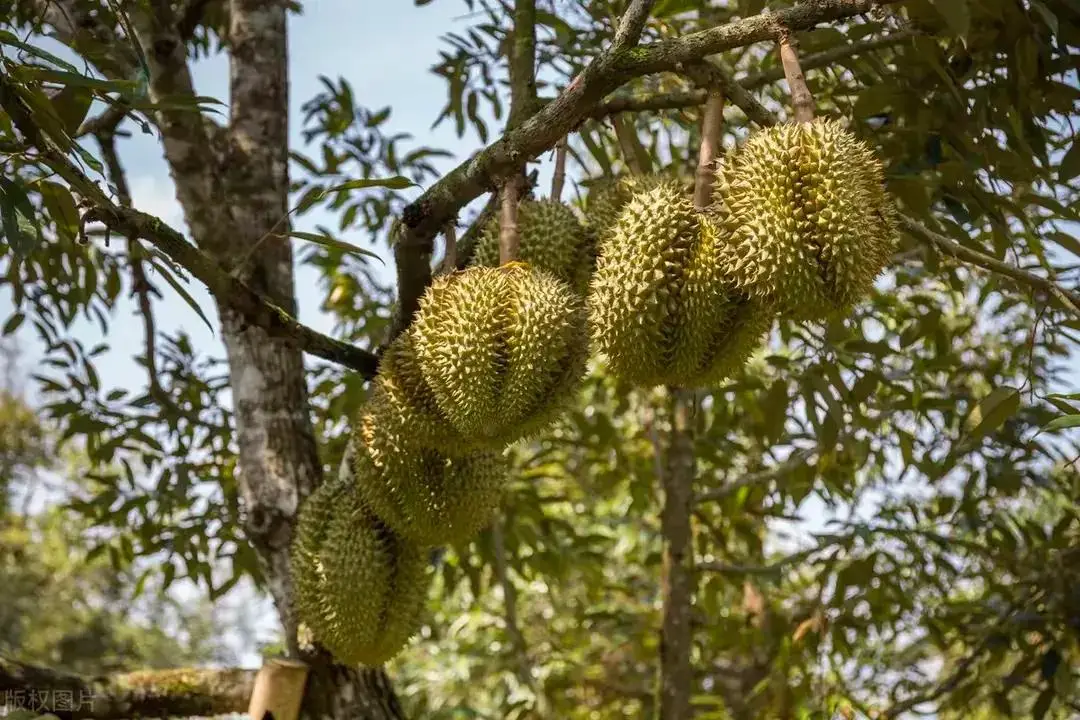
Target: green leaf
x=991, y=412
x=182, y=292
x=1062, y=423
x=13, y=323
x=72, y=105
x=75, y=79
x=332, y=242
x=61, y=207
x=8, y=38
x=13, y=203
x=957, y=15
x=398, y=182
x=1070, y=164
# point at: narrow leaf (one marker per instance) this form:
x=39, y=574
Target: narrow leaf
x=992, y=411
x=182, y=293
x=332, y=242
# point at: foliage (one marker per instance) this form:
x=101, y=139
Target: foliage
x=926, y=438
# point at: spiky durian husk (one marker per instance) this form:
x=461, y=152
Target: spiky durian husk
x=807, y=219
x=502, y=349
x=660, y=306
x=607, y=198
x=400, y=387
x=423, y=495
x=552, y=239
x=360, y=589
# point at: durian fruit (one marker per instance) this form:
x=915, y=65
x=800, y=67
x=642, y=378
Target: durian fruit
x=360, y=589
x=807, y=220
x=607, y=198
x=400, y=388
x=423, y=495
x=552, y=239
x=660, y=306
x=502, y=350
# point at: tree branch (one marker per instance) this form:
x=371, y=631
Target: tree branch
x=680, y=100
x=1069, y=298
x=424, y=218
x=152, y=693
x=711, y=74
x=228, y=290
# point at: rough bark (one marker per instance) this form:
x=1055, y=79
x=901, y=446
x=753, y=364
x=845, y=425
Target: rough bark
x=677, y=584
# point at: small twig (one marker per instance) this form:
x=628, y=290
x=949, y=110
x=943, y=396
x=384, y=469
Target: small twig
x=1069, y=298
x=716, y=77
x=558, y=178
x=801, y=99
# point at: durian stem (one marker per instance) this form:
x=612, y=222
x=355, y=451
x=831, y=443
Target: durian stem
x=712, y=130
x=801, y=100
x=634, y=155
x=509, y=237
x=449, y=262
x=558, y=178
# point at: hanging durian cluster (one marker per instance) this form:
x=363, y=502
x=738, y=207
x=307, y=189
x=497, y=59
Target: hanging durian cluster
x=806, y=222
x=661, y=308
x=799, y=227
x=492, y=356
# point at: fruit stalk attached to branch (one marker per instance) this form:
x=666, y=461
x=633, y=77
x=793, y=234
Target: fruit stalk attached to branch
x=509, y=236
x=450, y=255
x=801, y=100
x=712, y=128
x=558, y=178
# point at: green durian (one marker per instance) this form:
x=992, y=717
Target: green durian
x=808, y=223
x=609, y=196
x=400, y=387
x=359, y=588
x=660, y=306
x=552, y=239
x=420, y=493
x=502, y=350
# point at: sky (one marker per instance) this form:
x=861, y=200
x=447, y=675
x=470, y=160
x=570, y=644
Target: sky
x=385, y=50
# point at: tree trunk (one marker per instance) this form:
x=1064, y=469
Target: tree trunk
x=676, y=638
x=278, y=460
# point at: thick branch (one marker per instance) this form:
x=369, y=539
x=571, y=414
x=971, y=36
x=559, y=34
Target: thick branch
x=523, y=63
x=684, y=99
x=424, y=217
x=677, y=584
x=228, y=290
x=155, y=693
x=513, y=628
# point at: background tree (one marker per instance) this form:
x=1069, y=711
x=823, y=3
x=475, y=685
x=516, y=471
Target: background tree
x=925, y=426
